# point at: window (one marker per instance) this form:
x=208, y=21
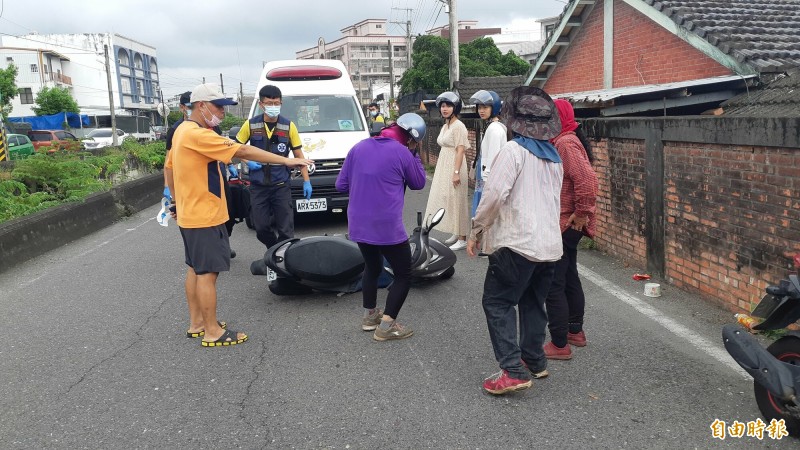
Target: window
x=378, y=26
x=126, y=85
x=34, y=68
x=9, y=59
x=25, y=96
x=549, y=30
x=138, y=88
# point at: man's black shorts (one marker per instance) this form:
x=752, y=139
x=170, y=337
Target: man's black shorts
x=207, y=249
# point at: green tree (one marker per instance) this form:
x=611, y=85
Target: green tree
x=54, y=100
x=230, y=121
x=174, y=116
x=430, y=68
x=8, y=88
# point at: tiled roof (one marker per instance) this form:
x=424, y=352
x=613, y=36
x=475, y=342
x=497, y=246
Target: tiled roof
x=501, y=85
x=781, y=98
x=764, y=34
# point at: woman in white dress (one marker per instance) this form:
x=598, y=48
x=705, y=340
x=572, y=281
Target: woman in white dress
x=449, y=185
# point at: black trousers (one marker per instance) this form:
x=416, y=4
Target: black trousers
x=231, y=220
x=399, y=258
x=565, y=301
x=272, y=213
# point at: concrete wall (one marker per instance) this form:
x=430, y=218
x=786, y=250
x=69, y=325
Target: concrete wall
x=30, y=236
x=712, y=204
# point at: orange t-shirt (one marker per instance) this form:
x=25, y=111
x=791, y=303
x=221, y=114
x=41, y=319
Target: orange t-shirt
x=199, y=183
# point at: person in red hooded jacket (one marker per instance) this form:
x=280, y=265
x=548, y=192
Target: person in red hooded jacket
x=566, y=301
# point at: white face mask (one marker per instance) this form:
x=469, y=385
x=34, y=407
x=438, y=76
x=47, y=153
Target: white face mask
x=214, y=121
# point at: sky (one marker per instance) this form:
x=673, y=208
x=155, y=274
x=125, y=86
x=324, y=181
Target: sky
x=202, y=38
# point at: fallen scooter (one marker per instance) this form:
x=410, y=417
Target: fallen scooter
x=776, y=369
x=334, y=263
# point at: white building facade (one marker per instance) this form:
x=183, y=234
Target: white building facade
x=77, y=62
x=375, y=60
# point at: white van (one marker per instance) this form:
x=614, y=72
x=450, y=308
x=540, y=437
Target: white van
x=319, y=98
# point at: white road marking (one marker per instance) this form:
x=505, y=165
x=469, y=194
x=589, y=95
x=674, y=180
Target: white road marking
x=674, y=327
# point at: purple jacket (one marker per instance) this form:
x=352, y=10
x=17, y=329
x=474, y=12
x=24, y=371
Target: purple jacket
x=375, y=174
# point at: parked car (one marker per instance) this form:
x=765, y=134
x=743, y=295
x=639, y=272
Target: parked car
x=55, y=139
x=160, y=132
x=103, y=137
x=19, y=146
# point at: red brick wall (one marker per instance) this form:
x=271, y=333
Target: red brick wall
x=581, y=67
x=732, y=214
x=620, y=201
x=644, y=53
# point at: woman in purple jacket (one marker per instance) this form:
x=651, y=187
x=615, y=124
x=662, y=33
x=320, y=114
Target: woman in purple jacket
x=375, y=174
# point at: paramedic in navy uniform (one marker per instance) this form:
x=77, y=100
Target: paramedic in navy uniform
x=270, y=185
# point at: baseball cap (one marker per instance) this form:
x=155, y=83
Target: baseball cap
x=210, y=93
x=186, y=98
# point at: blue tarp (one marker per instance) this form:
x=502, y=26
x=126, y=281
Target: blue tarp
x=54, y=122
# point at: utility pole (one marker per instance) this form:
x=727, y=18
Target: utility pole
x=241, y=101
x=391, y=70
x=407, y=23
x=454, y=76
x=221, y=85
x=111, y=99
x=204, y=80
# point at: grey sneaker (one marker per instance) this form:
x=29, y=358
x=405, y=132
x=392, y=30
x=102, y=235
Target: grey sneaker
x=372, y=321
x=396, y=331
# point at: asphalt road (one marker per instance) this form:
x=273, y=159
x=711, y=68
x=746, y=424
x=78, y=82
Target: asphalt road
x=93, y=355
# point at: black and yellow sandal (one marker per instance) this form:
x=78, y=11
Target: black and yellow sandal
x=227, y=339
x=202, y=333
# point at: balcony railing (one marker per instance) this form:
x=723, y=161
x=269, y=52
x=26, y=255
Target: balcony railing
x=58, y=78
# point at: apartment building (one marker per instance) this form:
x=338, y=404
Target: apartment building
x=77, y=62
x=375, y=59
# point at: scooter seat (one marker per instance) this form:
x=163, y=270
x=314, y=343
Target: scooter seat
x=324, y=259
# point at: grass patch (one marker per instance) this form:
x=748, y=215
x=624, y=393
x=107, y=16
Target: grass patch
x=587, y=243
x=45, y=180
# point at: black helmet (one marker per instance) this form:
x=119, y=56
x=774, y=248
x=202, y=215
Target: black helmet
x=487, y=98
x=449, y=97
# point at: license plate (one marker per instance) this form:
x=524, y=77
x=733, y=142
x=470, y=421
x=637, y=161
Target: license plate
x=315, y=204
x=271, y=275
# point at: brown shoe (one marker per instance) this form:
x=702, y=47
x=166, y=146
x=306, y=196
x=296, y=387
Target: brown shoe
x=372, y=321
x=396, y=331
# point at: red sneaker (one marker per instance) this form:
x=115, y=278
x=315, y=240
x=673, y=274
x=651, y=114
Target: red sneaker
x=501, y=382
x=577, y=339
x=553, y=352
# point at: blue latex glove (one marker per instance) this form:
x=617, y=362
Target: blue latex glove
x=307, y=190
x=232, y=170
x=252, y=165
x=166, y=192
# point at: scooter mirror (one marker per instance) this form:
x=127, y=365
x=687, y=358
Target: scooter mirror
x=437, y=218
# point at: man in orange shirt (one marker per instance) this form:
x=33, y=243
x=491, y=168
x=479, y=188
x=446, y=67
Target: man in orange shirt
x=195, y=179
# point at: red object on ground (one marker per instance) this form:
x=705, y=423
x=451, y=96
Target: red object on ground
x=641, y=276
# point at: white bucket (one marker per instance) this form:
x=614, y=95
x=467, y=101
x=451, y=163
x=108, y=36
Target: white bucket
x=652, y=289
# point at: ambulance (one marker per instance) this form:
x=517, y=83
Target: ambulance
x=319, y=97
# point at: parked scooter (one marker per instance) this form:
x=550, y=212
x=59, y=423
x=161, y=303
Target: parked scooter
x=430, y=259
x=334, y=263
x=776, y=369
